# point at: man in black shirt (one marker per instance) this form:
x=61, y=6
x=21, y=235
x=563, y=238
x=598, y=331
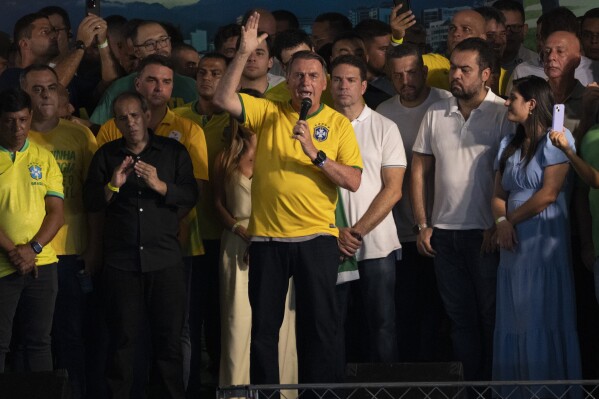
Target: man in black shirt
x=144, y=183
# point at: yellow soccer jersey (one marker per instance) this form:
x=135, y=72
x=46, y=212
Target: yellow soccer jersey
x=24, y=184
x=438, y=70
x=291, y=197
x=210, y=226
x=73, y=147
x=192, y=137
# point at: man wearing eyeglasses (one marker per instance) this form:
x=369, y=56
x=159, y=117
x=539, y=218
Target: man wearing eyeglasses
x=589, y=33
x=148, y=37
x=516, y=28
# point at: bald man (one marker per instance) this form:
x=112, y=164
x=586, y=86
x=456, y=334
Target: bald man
x=464, y=24
x=561, y=57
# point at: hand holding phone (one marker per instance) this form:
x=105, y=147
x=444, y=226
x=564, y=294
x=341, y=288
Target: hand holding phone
x=405, y=5
x=558, y=117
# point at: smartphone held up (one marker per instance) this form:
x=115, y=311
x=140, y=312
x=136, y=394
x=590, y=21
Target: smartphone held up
x=92, y=7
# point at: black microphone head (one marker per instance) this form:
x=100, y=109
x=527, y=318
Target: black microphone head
x=305, y=107
x=306, y=102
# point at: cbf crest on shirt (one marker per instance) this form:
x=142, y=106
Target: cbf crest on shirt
x=321, y=132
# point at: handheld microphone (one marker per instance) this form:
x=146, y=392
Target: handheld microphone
x=306, y=105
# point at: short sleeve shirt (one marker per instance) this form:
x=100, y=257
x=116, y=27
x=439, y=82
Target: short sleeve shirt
x=291, y=197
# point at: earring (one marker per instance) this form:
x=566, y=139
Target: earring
x=530, y=112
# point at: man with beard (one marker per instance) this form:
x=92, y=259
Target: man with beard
x=418, y=320
x=496, y=37
x=589, y=33
x=377, y=38
x=456, y=146
x=35, y=39
x=516, y=28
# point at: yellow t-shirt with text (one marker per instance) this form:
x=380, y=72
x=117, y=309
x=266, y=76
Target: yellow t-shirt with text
x=73, y=147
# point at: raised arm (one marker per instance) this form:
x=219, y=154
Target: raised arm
x=586, y=172
x=226, y=93
x=90, y=26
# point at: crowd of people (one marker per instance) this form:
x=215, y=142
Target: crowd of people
x=293, y=202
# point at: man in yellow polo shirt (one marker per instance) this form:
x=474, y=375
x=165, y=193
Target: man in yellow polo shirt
x=31, y=212
x=298, y=167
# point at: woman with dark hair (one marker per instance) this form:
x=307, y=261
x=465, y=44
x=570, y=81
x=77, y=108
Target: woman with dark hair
x=535, y=331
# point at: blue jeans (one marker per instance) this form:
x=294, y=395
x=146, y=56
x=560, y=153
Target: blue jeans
x=377, y=288
x=28, y=303
x=67, y=328
x=467, y=283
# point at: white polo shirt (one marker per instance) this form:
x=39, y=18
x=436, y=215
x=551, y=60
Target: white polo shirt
x=587, y=72
x=408, y=121
x=381, y=147
x=464, y=153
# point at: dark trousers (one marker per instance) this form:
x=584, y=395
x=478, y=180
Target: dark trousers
x=29, y=303
x=313, y=264
x=467, y=283
x=422, y=325
x=204, y=313
x=160, y=296
x=67, y=328
x=377, y=288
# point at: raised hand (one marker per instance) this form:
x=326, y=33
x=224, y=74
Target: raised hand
x=250, y=40
x=119, y=176
x=400, y=23
x=559, y=140
x=90, y=27
x=149, y=175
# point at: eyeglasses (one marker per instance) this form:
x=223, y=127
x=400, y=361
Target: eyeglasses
x=154, y=44
x=515, y=28
x=588, y=35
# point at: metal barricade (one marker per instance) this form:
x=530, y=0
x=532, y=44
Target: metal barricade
x=579, y=389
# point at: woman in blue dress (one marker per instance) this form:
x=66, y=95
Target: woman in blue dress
x=535, y=331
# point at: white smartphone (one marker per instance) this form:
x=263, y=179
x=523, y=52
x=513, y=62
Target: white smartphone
x=558, y=117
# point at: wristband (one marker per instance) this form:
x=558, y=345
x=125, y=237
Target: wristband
x=104, y=44
x=396, y=41
x=112, y=188
x=235, y=226
x=500, y=219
